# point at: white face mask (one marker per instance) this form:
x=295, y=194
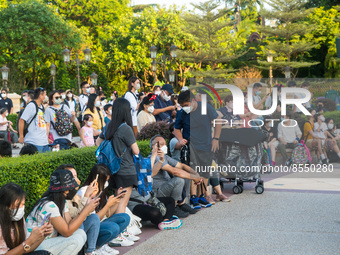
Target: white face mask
x=330, y=126
x=137, y=86
x=90, y=123
x=106, y=184
x=69, y=95
x=322, y=118
x=157, y=92
x=187, y=109
x=88, y=90
x=151, y=109
x=166, y=97
x=63, y=97
x=6, y=114
x=111, y=97
x=110, y=112
x=97, y=104
x=3, y=95
x=19, y=215
x=25, y=99
x=46, y=99
x=164, y=148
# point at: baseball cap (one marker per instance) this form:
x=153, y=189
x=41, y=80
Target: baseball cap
x=168, y=88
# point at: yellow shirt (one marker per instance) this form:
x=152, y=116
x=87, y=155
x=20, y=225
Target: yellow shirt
x=306, y=128
x=98, y=123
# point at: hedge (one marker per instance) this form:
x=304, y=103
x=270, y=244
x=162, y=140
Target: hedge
x=32, y=173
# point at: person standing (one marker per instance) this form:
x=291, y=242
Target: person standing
x=93, y=109
x=34, y=116
x=84, y=97
x=163, y=105
x=6, y=102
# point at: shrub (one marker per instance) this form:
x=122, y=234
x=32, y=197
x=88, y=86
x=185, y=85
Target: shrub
x=328, y=104
x=151, y=129
x=13, y=118
x=335, y=115
x=32, y=173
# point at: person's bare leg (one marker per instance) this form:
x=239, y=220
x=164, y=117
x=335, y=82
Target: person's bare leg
x=273, y=152
x=124, y=201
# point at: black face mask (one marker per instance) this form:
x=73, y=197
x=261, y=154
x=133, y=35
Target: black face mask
x=71, y=194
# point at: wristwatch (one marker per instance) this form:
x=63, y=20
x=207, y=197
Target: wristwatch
x=26, y=247
x=215, y=138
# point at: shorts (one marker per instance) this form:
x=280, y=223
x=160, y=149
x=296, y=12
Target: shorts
x=201, y=162
x=124, y=181
x=329, y=144
x=312, y=144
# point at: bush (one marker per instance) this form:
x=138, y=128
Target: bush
x=13, y=118
x=335, y=115
x=328, y=104
x=32, y=173
x=151, y=129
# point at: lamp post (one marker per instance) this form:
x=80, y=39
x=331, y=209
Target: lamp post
x=270, y=60
x=67, y=59
x=287, y=72
x=153, y=52
x=5, y=71
x=53, y=70
x=172, y=76
x=94, y=78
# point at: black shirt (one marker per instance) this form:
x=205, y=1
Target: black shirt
x=6, y=103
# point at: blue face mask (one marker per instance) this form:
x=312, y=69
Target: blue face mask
x=258, y=93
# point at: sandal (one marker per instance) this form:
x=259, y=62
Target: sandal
x=15, y=147
x=223, y=198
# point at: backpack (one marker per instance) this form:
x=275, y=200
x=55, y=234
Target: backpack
x=144, y=171
x=185, y=155
x=105, y=154
x=27, y=124
x=63, y=124
x=300, y=154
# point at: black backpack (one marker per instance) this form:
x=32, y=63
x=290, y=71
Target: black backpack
x=185, y=155
x=27, y=124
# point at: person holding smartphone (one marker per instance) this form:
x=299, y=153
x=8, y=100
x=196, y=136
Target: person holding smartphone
x=112, y=231
x=13, y=238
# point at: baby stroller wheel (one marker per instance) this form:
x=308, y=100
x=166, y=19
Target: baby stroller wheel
x=259, y=189
x=240, y=188
x=236, y=190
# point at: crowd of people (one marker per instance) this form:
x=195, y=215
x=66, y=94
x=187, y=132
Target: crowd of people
x=105, y=211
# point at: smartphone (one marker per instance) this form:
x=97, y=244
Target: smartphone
x=96, y=181
x=122, y=193
x=46, y=219
x=158, y=145
x=99, y=194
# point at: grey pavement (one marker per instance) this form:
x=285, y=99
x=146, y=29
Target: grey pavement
x=276, y=222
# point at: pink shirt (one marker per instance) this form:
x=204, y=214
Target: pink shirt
x=88, y=136
x=3, y=127
x=3, y=246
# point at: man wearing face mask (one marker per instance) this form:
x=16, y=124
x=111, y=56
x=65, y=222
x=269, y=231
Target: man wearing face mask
x=84, y=97
x=257, y=101
x=33, y=115
x=163, y=105
x=6, y=102
x=24, y=96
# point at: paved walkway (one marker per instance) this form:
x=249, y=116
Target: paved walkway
x=297, y=216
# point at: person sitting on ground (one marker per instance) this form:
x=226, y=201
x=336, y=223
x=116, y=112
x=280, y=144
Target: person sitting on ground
x=163, y=105
x=13, y=232
x=93, y=109
x=6, y=127
x=162, y=167
x=145, y=110
x=288, y=135
x=108, y=112
x=113, y=225
x=28, y=149
x=312, y=141
x=67, y=237
x=5, y=149
x=87, y=132
x=77, y=204
x=320, y=130
x=332, y=138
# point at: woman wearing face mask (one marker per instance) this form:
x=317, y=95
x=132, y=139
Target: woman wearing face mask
x=130, y=95
x=113, y=97
x=5, y=126
x=320, y=130
x=332, y=139
x=54, y=138
x=145, y=111
x=13, y=233
x=112, y=223
x=87, y=132
x=66, y=238
x=70, y=100
x=93, y=109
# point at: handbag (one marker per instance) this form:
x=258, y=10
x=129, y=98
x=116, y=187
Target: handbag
x=152, y=201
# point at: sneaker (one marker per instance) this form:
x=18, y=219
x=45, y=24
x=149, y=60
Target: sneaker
x=94, y=252
x=288, y=162
x=170, y=224
x=324, y=161
x=210, y=200
x=134, y=230
x=273, y=163
x=179, y=213
x=120, y=241
x=194, y=202
x=186, y=208
x=130, y=236
x=204, y=203
x=223, y=198
x=106, y=250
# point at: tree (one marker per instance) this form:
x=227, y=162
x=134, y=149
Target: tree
x=32, y=35
x=286, y=40
x=210, y=30
x=327, y=4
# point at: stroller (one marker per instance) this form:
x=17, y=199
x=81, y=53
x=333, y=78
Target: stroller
x=240, y=157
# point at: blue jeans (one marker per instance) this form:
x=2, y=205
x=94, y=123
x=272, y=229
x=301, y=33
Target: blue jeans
x=43, y=149
x=91, y=227
x=112, y=227
x=63, y=144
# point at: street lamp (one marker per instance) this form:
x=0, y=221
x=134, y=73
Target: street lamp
x=153, y=51
x=87, y=53
x=94, y=78
x=5, y=71
x=53, y=70
x=287, y=72
x=270, y=60
x=172, y=76
x=67, y=55
x=173, y=51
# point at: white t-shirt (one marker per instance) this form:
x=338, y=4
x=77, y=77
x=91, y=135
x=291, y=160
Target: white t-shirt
x=132, y=98
x=37, y=134
x=72, y=105
x=51, y=118
x=35, y=219
x=144, y=118
x=83, y=99
x=289, y=134
x=323, y=128
x=3, y=127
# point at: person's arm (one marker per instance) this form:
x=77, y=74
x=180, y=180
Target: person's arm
x=165, y=109
x=217, y=133
x=156, y=165
x=181, y=173
x=99, y=141
x=187, y=168
x=96, y=132
x=81, y=134
x=110, y=207
x=21, y=130
x=179, y=136
x=134, y=148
